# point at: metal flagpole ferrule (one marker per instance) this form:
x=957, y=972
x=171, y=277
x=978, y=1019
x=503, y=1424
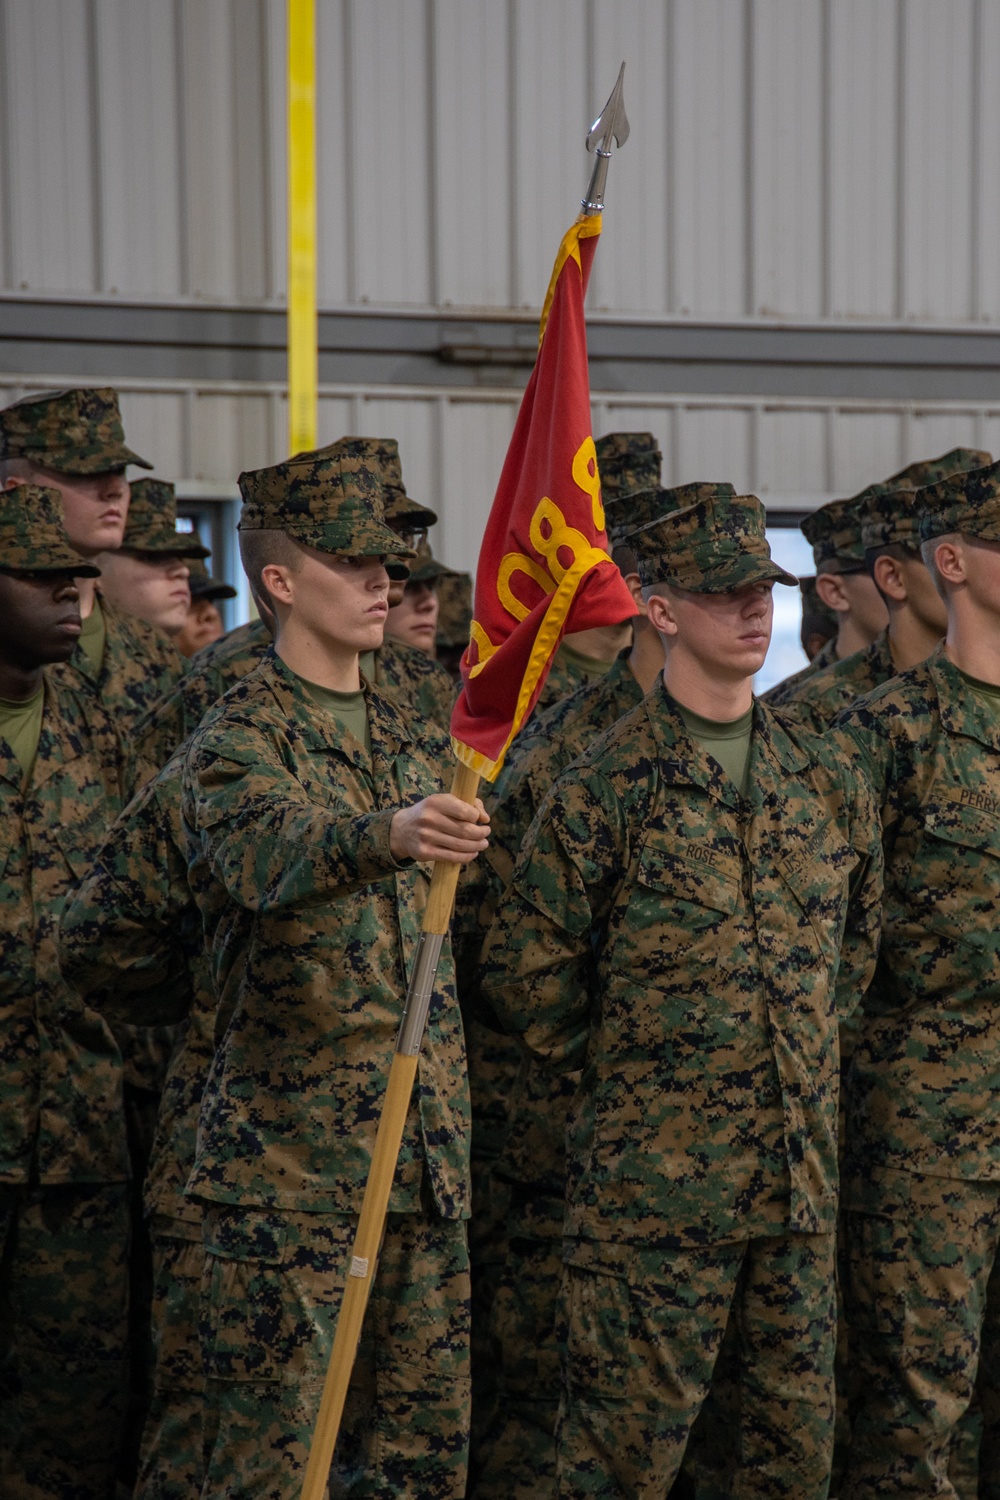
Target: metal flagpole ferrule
x=611, y=124
x=418, y=996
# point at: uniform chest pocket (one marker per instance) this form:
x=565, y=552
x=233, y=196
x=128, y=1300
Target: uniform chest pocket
x=677, y=907
x=953, y=882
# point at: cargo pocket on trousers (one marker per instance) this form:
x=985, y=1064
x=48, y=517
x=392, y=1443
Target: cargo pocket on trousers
x=249, y=1313
x=874, y=1274
x=600, y=1334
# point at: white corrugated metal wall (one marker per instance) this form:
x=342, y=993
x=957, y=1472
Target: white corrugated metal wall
x=794, y=159
x=791, y=158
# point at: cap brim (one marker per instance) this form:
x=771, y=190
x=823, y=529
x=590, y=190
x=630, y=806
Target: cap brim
x=737, y=575
x=372, y=539
x=178, y=548
x=419, y=516
x=99, y=463
x=72, y=566
x=211, y=590
x=398, y=572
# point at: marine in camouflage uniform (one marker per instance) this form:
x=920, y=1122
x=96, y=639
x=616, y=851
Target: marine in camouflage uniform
x=63, y=1161
x=131, y=944
x=834, y=533
x=889, y=528
x=312, y=926
x=529, y=1172
x=627, y=463
x=922, y=1176
x=421, y=685
x=689, y=945
x=79, y=433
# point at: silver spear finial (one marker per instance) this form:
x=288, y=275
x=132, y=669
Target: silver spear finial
x=611, y=123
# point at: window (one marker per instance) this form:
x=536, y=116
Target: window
x=790, y=549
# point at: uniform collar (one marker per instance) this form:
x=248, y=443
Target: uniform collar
x=56, y=744
x=962, y=711
x=385, y=725
x=772, y=753
x=880, y=658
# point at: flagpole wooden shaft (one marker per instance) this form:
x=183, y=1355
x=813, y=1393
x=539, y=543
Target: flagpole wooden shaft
x=388, y=1139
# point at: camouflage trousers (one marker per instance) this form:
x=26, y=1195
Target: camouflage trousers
x=172, y=1460
x=270, y=1297
x=493, y=1061
x=643, y=1330
x=63, y=1340
x=519, y=1452
x=922, y=1294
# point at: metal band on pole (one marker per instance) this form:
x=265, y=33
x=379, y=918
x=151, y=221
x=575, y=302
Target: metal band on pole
x=302, y=336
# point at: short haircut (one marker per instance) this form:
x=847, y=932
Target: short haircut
x=260, y=548
x=16, y=468
x=624, y=559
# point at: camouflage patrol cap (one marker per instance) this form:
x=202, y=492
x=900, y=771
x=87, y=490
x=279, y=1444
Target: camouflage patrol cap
x=204, y=586
x=968, y=503
x=834, y=533
x=425, y=567
x=401, y=513
x=711, y=547
x=626, y=463
x=152, y=522
x=890, y=516
x=932, y=470
x=632, y=512
x=73, y=432
x=330, y=498
x=32, y=535
x=454, y=609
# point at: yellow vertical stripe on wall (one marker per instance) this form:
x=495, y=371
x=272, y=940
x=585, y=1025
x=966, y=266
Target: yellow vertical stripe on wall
x=302, y=356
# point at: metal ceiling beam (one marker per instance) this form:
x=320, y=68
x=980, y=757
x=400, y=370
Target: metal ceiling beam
x=109, y=340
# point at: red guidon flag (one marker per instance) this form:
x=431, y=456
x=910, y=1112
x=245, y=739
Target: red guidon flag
x=544, y=567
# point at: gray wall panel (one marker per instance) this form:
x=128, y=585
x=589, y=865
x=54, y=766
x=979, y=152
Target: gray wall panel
x=862, y=123
x=787, y=178
x=802, y=158
x=707, y=183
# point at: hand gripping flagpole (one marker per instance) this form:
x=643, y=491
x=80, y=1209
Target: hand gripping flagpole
x=611, y=124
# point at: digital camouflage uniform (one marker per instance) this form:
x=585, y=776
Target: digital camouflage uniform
x=690, y=949
x=312, y=927
x=151, y=529
x=529, y=1172
x=63, y=1162
x=419, y=684
x=131, y=943
x=80, y=432
x=132, y=937
x=889, y=518
x=627, y=462
x=823, y=695
x=922, y=1178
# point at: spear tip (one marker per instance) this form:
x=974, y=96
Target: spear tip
x=610, y=125
x=612, y=121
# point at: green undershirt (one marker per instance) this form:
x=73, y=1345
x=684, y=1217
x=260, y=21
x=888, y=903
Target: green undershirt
x=20, y=726
x=988, y=693
x=727, y=741
x=92, y=638
x=349, y=709
x=589, y=667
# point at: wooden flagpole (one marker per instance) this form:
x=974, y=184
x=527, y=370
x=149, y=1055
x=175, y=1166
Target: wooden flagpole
x=374, y=1207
